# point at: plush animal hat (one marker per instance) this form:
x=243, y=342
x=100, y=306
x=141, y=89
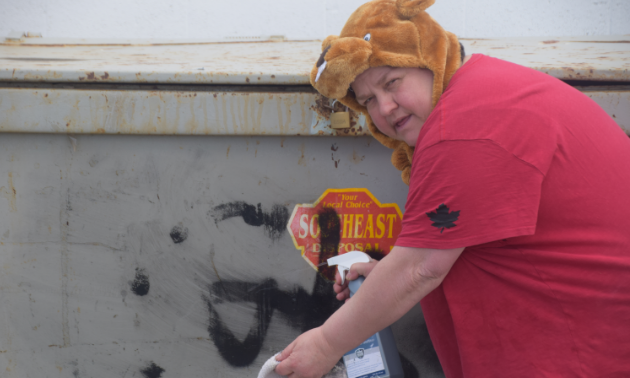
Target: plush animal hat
x=396, y=33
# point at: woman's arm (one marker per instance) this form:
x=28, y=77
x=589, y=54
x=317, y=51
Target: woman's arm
x=393, y=287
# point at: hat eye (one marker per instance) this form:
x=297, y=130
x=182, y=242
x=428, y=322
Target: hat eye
x=367, y=37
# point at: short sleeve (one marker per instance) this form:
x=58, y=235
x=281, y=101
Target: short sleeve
x=469, y=192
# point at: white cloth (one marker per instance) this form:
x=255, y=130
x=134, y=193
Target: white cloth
x=268, y=370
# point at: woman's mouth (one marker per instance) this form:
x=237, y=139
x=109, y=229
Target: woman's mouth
x=400, y=122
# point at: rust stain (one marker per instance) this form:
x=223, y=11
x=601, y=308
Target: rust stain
x=90, y=75
x=10, y=194
x=322, y=107
x=227, y=154
x=302, y=159
x=550, y=42
x=324, y=110
x=356, y=158
x=105, y=76
x=619, y=41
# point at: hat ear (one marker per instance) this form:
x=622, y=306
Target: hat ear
x=328, y=41
x=410, y=8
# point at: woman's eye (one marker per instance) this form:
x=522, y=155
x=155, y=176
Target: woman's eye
x=391, y=82
x=367, y=101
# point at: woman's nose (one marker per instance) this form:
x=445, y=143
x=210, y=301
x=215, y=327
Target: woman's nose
x=387, y=105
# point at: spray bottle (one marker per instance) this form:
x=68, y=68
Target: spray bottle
x=376, y=357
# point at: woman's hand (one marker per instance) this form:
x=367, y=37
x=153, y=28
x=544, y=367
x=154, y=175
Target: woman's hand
x=357, y=269
x=308, y=356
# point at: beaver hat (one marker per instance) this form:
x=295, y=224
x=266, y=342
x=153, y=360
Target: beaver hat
x=396, y=33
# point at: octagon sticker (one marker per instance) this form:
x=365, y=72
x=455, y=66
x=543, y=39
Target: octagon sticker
x=343, y=220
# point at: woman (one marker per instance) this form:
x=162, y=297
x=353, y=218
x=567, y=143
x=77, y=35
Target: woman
x=514, y=235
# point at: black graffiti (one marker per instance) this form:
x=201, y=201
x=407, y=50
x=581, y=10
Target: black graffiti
x=179, y=234
x=140, y=285
x=152, y=371
x=274, y=222
x=298, y=308
x=330, y=225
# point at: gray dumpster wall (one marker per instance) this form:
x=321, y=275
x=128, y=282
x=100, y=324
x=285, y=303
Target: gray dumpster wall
x=120, y=252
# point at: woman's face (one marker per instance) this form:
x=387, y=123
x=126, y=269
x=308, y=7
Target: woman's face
x=397, y=99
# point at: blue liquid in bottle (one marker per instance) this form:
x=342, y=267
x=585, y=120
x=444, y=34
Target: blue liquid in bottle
x=376, y=357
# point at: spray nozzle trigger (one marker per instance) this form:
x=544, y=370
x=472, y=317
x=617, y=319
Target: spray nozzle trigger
x=345, y=261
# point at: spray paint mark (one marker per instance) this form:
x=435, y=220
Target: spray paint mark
x=235, y=352
x=299, y=309
x=375, y=253
x=332, y=156
x=75, y=371
x=330, y=236
x=152, y=371
x=140, y=285
x=179, y=234
x=274, y=222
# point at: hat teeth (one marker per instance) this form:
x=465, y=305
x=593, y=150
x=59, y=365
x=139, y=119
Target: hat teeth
x=320, y=70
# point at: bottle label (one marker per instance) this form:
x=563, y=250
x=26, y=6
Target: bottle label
x=366, y=360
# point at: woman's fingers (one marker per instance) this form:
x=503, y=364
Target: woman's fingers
x=343, y=296
x=286, y=352
x=358, y=269
x=309, y=356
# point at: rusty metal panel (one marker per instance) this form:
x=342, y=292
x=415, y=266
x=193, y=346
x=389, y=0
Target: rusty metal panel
x=230, y=111
x=167, y=111
x=600, y=58
x=127, y=254
x=278, y=63
x=248, y=63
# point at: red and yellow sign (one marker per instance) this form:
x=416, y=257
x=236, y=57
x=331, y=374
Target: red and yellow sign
x=361, y=221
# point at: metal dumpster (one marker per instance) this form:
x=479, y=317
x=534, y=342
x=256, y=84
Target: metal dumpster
x=146, y=186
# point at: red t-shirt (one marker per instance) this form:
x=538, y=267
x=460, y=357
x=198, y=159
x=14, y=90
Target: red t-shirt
x=532, y=177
